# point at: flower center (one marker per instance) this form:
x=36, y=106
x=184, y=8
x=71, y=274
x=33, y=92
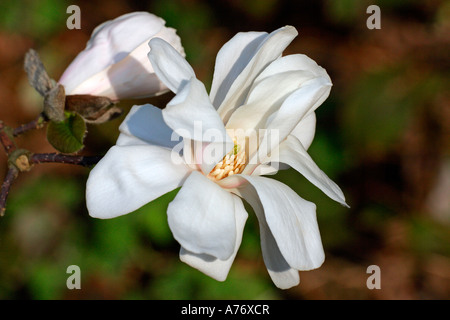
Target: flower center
x=233, y=163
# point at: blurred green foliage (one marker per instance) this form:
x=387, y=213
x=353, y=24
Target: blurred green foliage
x=35, y=18
x=190, y=19
x=381, y=105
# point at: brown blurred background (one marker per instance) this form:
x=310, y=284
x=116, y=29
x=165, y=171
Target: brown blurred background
x=382, y=135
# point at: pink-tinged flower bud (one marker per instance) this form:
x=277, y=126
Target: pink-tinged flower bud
x=114, y=63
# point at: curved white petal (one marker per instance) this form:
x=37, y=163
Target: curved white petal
x=191, y=107
x=170, y=36
x=293, y=62
x=272, y=86
x=305, y=130
x=130, y=176
x=144, y=124
x=282, y=275
x=278, y=86
x=211, y=266
x=269, y=50
x=202, y=218
x=296, y=107
x=191, y=115
x=231, y=59
x=265, y=169
x=169, y=64
x=292, y=222
x=266, y=97
x=294, y=154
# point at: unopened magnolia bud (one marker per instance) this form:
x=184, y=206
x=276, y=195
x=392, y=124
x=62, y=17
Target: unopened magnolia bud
x=54, y=101
x=37, y=75
x=114, y=63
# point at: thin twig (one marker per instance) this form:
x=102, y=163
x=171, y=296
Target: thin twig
x=6, y=140
x=85, y=161
x=11, y=175
x=37, y=123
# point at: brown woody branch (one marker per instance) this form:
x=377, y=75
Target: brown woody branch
x=85, y=161
x=6, y=139
x=11, y=175
x=37, y=123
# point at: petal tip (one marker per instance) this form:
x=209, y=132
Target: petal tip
x=291, y=29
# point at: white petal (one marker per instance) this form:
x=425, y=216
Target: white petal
x=146, y=123
x=269, y=50
x=296, y=107
x=269, y=90
x=169, y=64
x=202, y=218
x=279, y=86
x=191, y=115
x=265, y=98
x=130, y=176
x=231, y=59
x=211, y=266
x=294, y=154
x=131, y=77
x=293, y=62
x=110, y=42
x=265, y=169
x=283, y=276
x=305, y=130
x=192, y=106
x=170, y=36
x=292, y=222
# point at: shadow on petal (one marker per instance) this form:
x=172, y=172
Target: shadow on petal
x=131, y=79
x=146, y=123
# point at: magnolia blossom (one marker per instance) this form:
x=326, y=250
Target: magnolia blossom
x=258, y=114
x=114, y=63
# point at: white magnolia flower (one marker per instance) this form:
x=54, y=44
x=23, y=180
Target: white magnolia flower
x=254, y=89
x=115, y=64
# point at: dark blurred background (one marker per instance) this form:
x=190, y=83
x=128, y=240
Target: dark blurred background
x=382, y=135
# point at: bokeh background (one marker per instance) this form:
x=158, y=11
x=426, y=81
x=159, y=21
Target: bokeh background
x=382, y=135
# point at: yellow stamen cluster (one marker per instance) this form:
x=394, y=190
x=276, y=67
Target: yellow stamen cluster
x=232, y=163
